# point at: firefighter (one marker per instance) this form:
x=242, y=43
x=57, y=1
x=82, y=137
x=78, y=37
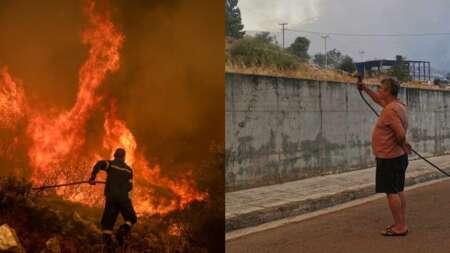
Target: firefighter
x=117, y=189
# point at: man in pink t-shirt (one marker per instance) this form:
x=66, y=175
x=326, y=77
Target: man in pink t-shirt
x=391, y=151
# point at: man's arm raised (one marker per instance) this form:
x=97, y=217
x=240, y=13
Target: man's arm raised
x=372, y=94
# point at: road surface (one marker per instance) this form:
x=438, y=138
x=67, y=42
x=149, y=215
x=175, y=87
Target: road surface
x=357, y=229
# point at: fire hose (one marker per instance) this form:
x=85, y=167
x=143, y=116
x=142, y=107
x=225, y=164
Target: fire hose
x=63, y=185
x=412, y=150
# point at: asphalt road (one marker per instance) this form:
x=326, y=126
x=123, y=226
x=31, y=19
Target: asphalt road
x=357, y=229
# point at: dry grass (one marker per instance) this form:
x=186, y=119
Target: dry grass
x=314, y=72
x=311, y=72
x=305, y=71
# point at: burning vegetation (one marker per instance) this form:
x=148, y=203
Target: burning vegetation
x=52, y=225
x=57, y=137
x=52, y=144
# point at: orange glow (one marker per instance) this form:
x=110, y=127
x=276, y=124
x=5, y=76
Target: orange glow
x=146, y=179
x=57, y=137
x=12, y=100
x=175, y=230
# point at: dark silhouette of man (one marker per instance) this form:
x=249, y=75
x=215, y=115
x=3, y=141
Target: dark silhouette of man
x=117, y=188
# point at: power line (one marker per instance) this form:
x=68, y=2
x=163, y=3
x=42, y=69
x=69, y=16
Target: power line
x=371, y=34
x=357, y=34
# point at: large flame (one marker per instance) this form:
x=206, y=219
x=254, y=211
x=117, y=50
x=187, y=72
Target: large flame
x=148, y=180
x=58, y=137
x=12, y=100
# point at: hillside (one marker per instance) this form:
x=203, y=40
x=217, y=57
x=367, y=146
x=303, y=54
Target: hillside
x=46, y=223
x=307, y=70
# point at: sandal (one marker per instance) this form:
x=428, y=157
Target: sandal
x=388, y=227
x=390, y=232
x=391, y=226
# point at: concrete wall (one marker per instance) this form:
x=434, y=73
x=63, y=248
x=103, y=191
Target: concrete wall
x=283, y=129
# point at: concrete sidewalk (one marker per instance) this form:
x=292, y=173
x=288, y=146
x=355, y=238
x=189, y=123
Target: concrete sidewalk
x=256, y=206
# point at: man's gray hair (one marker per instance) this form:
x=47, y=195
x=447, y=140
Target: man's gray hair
x=392, y=85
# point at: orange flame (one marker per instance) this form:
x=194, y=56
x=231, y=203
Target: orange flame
x=12, y=100
x=175, y=229
x=58, y=137
x=147, y=179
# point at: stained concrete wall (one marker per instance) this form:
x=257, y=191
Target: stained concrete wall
x=282, y=129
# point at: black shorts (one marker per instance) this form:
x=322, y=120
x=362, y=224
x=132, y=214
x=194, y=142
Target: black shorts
x=390, y=174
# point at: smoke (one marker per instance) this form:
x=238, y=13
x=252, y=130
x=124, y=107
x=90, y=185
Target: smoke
x=266, y=15
x=172, y=75
x=364, y=16
x=169, y=88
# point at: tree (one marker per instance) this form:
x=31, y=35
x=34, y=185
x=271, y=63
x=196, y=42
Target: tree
x=265, y=37
x=300, y=48
x=233, y=21
x=319, y=59
x=253, y=51
x=334, y=57
x=347, y=64
x=400, y=69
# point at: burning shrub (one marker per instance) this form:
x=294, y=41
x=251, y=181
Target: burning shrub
x=77, y=225
x=14, y=192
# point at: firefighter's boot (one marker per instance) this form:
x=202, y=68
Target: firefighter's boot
x=122, y=232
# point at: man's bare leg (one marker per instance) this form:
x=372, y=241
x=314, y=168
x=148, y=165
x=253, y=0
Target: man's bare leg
x=403, y=201
x=395, y=205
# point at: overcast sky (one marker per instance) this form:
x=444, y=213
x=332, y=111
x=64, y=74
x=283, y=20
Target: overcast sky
x=359, y=16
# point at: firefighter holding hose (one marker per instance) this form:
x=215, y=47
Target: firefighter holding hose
x=117, y=189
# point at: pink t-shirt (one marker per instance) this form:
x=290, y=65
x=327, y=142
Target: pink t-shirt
x=384, y=140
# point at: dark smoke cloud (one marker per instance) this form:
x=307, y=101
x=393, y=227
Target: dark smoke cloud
x=170, y=85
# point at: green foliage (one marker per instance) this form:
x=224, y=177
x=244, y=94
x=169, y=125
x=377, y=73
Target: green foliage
x=253, y=51
x=335, y=60
x=400, y=69
x=265, y=37
x=233, y=21
x=347, y=64
x=319, y=59
x=300, y=48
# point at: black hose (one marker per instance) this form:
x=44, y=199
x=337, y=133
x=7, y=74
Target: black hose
x=62, y=185
x=415, y=152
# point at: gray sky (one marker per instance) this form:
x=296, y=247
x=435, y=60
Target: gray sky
x=359, y=16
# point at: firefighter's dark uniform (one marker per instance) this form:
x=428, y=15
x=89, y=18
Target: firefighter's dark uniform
x=118, y=185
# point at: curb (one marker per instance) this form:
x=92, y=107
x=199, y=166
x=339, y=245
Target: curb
x=296, y=208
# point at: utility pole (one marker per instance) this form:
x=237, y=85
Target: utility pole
x=361, y=52
x=283, y=29
x=325, y=37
